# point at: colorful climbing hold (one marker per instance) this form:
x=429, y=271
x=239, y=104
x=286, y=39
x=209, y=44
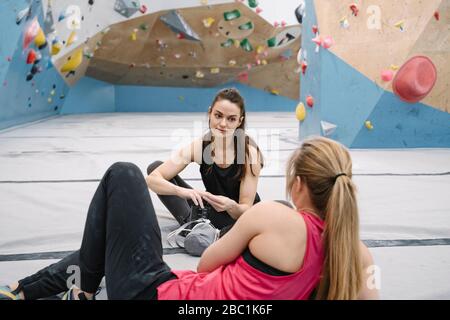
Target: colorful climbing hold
x=300, y=112
x=246, y=26
x=401, y=25
x=31, y=30
x=258, y=10
x=199, y=74
x=227, y=43
x=243, y=76
x=231, y=15
x=437, y=15
x=40, y=40
x=344, y=23
x=252, y=3
x=387, y=75
x=22, y=13
x=327, y=128
x=368, y=125
x=208, y=22
x=31, y=57
x=72, y=38
x=354, y=9
x=315, y=29
x=275, y=92
x=327, y=42
x=246, y=45
x=310, y=101
x=317, y=40
x=75, y=60
x=134, y=35
x=56, y=48
x=215, y=70
x=304, y=67
x=143, y=9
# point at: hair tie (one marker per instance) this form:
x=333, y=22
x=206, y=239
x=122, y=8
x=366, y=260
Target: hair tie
x=338, y=175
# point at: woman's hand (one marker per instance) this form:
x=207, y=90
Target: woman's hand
x=191, y=194
x=219, y=203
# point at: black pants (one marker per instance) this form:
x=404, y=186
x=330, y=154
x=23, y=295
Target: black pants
x=121, y=241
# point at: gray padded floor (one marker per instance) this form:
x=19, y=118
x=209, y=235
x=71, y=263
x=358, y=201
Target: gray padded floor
x=50, y=169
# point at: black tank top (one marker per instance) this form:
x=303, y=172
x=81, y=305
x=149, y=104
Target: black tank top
x=222, y=182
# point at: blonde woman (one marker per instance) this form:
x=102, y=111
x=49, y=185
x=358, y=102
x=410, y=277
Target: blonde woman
x=271, y=252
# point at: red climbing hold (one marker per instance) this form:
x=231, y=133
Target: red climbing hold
x=304, y=67
x=31, y=57
x=354, y=9
x=437, y=15
x=310, y=101
x=315, y=29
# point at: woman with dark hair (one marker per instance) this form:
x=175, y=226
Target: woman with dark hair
x=230, y=164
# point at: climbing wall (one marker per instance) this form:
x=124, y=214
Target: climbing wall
x=203, y=46
x=30, y=87
x=354, y=50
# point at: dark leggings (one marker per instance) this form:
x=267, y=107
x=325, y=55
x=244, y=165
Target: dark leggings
x=121, y=241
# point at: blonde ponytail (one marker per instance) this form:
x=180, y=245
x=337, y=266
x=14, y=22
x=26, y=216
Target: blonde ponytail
x=326, y=167
x=342, y=272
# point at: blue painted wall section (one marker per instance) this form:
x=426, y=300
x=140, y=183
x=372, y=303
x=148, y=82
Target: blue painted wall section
x=22, y=101
x=90, y=95
x=398, y=124
x=347, y=96
x=163, y=99
x=310, y=83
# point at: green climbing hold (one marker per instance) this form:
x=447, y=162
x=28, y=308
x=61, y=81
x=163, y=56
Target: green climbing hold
x=252, y=3
x=245, y=44
x=227, y=43
x=246, y=26
x=271, y=42
x=231, y=15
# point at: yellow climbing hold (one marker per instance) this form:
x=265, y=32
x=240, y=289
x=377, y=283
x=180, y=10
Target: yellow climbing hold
x=207, y=22
x=215, y=70
x=300, y=112
x=400, y=25
x=74, y=61
x=134, y=35
x=394, y=67
x=275, y=92
x=369, y=125
x=72, y=38
x=56, y=48
x=260, y=49
x=40, y=38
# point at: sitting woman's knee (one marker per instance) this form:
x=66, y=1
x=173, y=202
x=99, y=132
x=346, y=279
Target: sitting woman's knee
x=153, y=166
x=125, y=168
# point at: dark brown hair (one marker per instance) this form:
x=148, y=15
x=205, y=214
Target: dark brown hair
x=233, y=95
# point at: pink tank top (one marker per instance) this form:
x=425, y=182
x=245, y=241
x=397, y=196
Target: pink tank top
x=240, y=281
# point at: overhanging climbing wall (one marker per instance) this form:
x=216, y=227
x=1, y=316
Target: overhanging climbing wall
x=354, y=50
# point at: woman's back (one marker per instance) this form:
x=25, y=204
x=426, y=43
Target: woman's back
x=289, y=242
